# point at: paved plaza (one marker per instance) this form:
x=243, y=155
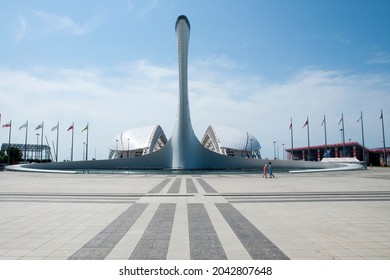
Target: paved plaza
x=310, y=216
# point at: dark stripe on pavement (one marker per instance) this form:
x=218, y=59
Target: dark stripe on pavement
x=160, y=186
x=102, y=244
x=175, y=188
x=207, y=188
x=204, y=241
x=255, y=242
x=191, y=186
x=154, y=243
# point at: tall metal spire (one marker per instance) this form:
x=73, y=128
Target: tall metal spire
x=185, y=145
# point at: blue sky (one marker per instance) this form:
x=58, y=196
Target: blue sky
x=252, y=65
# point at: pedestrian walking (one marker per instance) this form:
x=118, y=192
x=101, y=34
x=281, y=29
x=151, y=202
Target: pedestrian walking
x=270, y=170
x=265, y=175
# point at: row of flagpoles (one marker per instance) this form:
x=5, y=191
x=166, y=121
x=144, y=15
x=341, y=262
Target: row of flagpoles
x=55, y=128
x=306, y=124
x=323, y=123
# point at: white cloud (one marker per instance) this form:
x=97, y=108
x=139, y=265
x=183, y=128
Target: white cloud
x=129, y=5
x=380, y=58
x=139, y=93
x=22, y=29
x=109, y=104
x=56, y=22
x=151, y=5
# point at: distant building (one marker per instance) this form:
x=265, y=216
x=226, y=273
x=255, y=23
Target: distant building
x=137, y=142
x=352, y=149
x=231, y=142
x=30, y=152
x=219, y=139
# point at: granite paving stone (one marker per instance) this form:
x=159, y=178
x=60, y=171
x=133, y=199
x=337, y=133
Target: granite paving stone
x=209, y=215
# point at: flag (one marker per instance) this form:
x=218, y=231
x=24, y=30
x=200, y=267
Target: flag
x=23, y=126
x=381, y=117
x=306, y=123
x=327, y=153
x=340, y=120
x=54, y=128
x=7, y=124
x=323, y=121
x=70, y=127
x=290, y=125
x=359, y=119
x=39, y=126
x=86, y=128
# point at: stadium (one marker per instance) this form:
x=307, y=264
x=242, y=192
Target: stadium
x=219, y=139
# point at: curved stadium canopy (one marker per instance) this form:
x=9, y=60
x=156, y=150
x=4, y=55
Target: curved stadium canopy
x=231, y=141
x=219, y=139
x=137, y=142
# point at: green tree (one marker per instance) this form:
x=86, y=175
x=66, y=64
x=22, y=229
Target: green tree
x=15, y=155
x=3, y=157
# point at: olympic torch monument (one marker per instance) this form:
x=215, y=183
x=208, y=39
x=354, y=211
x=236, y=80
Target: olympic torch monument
x=183, y=151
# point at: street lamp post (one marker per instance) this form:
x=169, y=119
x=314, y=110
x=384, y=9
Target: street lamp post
x=117, y=152
x=283, y=151
x=251, y=148
x=128, y=147
x=37, y=146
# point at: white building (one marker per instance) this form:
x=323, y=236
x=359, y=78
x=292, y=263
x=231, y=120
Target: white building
x=231, y=142
x=219, y=139
x=137, y=142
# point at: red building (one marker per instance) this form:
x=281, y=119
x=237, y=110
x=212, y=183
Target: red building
x=349, y=149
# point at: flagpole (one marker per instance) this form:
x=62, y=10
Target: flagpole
x=25, y=142
x=9, y=140
x=308, y=140
x=86, y=147
x=292, y=140
x=47, y=143
x=364, y=152
x=58, y=131
x=342, y=127
x=384, y=143
x=71, y=149
x=54, y=147
x=326, y=142
x=42, y=141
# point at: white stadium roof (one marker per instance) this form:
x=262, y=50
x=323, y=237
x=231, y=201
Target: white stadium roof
x=220, y=139
x=148, y=139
